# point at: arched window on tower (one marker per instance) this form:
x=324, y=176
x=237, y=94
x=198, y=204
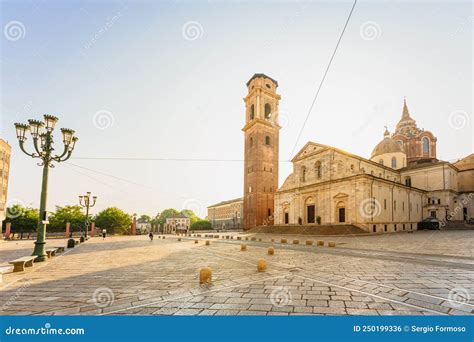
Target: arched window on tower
x=268, y=111
x=252, y=112
x=318, y=169
x=267, y=140
x=303, y=174
x=251, y=142
x=394, y=163
x=426, y=145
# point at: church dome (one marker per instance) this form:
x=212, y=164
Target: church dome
x=387, y=145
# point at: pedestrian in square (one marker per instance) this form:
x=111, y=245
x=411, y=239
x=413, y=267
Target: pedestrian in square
x=104, y=233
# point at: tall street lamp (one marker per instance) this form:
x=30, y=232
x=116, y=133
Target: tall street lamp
x=86, y=202
x=42, y=134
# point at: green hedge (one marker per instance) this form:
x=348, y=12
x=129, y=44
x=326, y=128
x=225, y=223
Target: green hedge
x=201, y=225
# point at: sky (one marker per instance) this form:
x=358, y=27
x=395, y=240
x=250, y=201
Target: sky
x=154, y=89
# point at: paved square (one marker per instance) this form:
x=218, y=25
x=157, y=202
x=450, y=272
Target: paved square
x=423, y=273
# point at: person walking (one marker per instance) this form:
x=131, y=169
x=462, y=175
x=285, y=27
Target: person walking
x=150, y=236
x=104, y=233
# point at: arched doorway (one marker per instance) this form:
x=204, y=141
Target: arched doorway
x=310, y=210
x=341, y=212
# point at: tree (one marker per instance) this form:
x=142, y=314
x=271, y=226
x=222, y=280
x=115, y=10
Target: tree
x=201, y=225
x=23, y=220
x=69, y=213
x=144, y=219
x=114, y=220
x=189, y=213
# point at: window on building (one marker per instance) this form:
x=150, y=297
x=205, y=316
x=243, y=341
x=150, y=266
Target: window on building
x=267, y=140
x=252, y=112
x=395, y=228
x=381, y=161
x=403, y=206
x=268, y=111
x=250, y=189
x=385, y=228
x=426, y=145
x=439, y=201
x=395, y=205
x=408, y=181
x=394, y=163
x=385, y=204
x=303, y=174
x=251, y=142
x=374, y=228
x=318, y=170
x=269, y=211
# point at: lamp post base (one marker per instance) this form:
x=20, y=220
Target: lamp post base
x=40, y=252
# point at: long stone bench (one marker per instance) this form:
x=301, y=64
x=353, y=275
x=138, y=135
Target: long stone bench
x=59, y=249
x=51, y=252
x=20, y=263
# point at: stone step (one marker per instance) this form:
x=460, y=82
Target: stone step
x=310, y=230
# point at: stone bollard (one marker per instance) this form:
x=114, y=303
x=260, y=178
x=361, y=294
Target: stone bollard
x=164, y=237
x=331, y=244
x=179, y=239
x=320, y=243
x=296, y=242
x=253, y=239
x=283, y=241
x=246, y=239
x=261, y=265
x=207, y=243
x=243, y=247
x=205, y=275
x=309, y=242
x=271, y=250
x=259, y=240
x=196, y=241
x=273, y=240
x=239, y=238
x=227, y=237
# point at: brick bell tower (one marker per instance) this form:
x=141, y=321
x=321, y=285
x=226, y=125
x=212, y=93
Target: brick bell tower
x=261, y=132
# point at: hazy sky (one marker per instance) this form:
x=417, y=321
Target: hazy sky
x=165, y=80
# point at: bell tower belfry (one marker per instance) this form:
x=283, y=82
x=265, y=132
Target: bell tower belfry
x=261, y=132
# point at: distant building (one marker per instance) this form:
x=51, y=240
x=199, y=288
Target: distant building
x=178, y=223
x=226, y=214
x=143, y=226
x=5, y=152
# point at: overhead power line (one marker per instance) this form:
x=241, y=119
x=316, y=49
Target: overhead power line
x=324, y=76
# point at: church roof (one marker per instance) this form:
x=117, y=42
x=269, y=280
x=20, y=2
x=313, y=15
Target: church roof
x=261, y=75
x=387, y=145
x=406, y=124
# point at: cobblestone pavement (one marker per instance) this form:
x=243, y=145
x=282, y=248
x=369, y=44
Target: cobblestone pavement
x=133, y=276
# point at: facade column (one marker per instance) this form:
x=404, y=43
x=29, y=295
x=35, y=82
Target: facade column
x=68, y=227
x=92, y=229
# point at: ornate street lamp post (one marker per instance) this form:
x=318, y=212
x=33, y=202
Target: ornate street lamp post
x=42, y=134
x=86, y=202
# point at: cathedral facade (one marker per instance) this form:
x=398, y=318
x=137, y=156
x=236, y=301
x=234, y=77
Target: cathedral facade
x=401, y=184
